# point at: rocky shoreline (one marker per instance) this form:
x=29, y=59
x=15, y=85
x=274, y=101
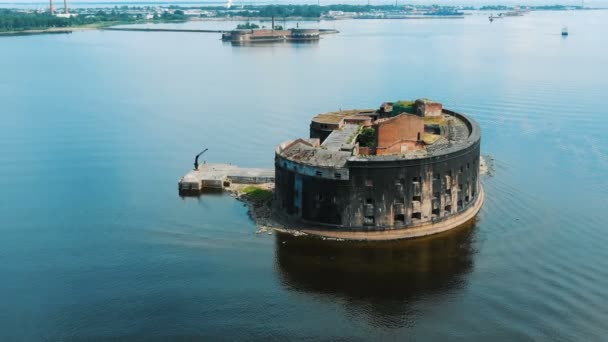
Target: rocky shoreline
x=260, y=209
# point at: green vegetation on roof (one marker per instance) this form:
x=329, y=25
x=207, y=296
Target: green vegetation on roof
x=430, y=139
x=367, y=137
x=436, y=120
x=404, y=107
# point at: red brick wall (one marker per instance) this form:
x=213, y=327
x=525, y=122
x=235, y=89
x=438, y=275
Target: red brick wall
x=428, y=108
x=404, y=127
x=398, y=147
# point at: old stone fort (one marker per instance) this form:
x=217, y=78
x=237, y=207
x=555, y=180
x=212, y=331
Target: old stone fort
x=409, y=168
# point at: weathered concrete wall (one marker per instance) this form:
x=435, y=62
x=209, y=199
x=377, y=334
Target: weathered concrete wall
x=383, y=195
x=310, y=170
x=322, y=130
x=412, y=192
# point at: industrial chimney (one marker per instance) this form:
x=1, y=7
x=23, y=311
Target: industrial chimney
x=65, y=7
x=51, y=7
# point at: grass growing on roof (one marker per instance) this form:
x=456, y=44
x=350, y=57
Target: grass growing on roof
x=430, y=139
x=438, y=120
x=367, y=137
x=404, y=107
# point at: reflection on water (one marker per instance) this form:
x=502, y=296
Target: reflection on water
x=381, y=279
x=290, y=44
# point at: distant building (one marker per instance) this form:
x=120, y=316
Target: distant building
x=66, y=15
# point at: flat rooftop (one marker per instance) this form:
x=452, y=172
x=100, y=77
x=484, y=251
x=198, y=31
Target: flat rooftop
x=316, y=156
x=337, y=117
x=445, y=131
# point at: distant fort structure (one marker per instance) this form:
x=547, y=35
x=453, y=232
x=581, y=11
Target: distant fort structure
x=270, y=35
x=252, y=36
x=407, y=169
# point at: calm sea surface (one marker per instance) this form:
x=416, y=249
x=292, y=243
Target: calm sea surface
x=96, y=128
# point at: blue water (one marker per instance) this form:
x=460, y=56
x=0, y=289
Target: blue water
x=97, y=127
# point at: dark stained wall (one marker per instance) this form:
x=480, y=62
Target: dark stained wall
x=384, y=194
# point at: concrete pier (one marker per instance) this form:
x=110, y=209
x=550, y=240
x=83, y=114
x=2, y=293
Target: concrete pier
x=218, y=176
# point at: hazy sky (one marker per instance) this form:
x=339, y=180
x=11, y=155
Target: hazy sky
x=594, y=3
x=531, y=2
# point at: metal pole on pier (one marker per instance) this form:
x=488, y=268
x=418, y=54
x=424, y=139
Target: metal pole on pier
x=196, y=159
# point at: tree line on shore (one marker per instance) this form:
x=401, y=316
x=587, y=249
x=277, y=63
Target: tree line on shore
x=11, y=20
x=303, y=11
x=16, y=20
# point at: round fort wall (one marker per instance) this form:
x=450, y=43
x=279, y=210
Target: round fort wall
x=382, y=194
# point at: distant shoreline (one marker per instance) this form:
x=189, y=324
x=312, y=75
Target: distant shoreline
x=52, y=30
x=112, y=26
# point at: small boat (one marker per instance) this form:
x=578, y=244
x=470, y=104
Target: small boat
x=564, y=31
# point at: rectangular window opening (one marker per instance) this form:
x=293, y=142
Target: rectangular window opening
x=416, y=216
x=337, y=175
x=459, y=204
x=369, y=201
x=416, y=198
x=369, y=183
x=435, y=212
x=448, y=208
x=319, y=173
x=368, y=221
x=399, y=219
